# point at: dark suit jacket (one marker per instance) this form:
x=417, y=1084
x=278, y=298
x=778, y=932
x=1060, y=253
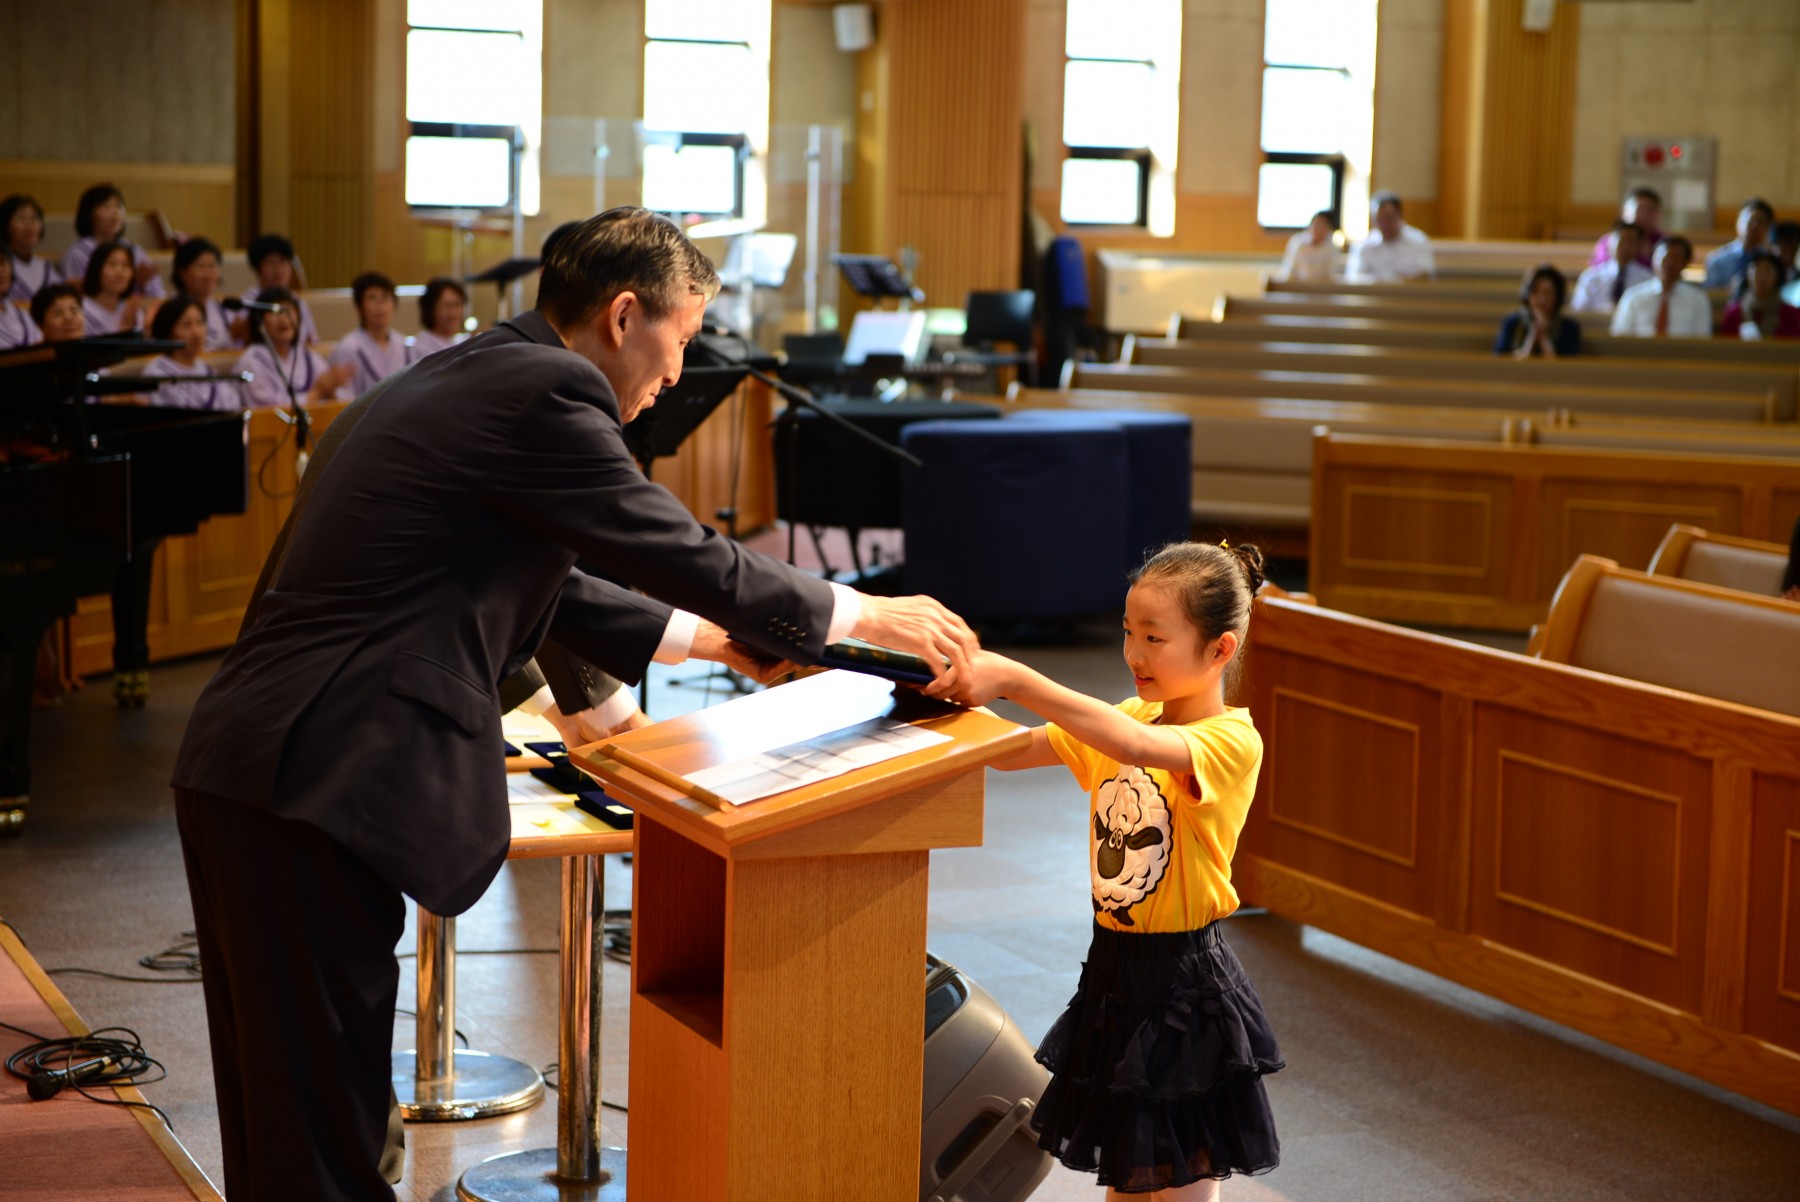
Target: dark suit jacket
x=433, y=555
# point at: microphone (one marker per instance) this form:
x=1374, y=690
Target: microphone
x=238, y=305
x=48, y=1082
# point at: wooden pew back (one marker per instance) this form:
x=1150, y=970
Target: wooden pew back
x=1746, y=564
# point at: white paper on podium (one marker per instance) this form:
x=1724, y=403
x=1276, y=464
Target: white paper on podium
x=833, y=754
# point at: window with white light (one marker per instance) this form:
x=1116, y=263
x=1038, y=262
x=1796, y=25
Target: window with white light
x=706, y=106
x=1121, y=97
x=1317, y=107
x=474, y=103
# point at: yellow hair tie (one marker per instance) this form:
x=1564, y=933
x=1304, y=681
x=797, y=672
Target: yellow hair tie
x=1224, y=544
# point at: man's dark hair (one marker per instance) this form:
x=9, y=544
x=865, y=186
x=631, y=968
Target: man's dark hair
x=1645, y=194
x=1622, y=225
x=365, y=283
x=90, y=200
x=264, y=245
x=554, y=238
x=1673, y=240
x=1386, y=198
x=169, y=313
x=627, y=249
x=90, y=282
x=1761, y=206
x=187, y=254
x=1329, y=215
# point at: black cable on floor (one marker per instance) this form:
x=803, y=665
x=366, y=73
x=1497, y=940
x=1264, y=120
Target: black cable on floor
x=553, y=1069
x=48, y=1066
x=414, y=1015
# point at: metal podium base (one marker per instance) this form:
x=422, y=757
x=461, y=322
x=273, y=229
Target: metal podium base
x=531, y=1177
x=483, y=1085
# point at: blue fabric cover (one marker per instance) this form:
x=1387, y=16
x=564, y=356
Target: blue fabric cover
x=1066, y=264
x=1017, y=520
x=1161, y=491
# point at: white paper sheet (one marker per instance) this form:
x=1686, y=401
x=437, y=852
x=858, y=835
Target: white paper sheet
x=758, y=776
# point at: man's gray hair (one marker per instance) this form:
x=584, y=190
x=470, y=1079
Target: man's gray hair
x=627, y=249
x=1384, y=197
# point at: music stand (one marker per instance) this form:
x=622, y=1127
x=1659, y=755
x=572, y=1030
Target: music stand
x=659, y=431
x=503, y=273
x=876, y=277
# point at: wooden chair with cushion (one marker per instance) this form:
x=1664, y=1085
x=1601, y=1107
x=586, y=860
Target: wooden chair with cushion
x=1746, y=564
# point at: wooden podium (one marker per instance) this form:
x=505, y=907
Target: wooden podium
x=778, y=949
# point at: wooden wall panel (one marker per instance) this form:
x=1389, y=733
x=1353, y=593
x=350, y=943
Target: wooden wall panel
x=1772, y=967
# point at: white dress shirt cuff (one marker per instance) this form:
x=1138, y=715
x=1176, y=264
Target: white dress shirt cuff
x=537, y=703
x=678, y=638
x=846, y=612
x=614, y=710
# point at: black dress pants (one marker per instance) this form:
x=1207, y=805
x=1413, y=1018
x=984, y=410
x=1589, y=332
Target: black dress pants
x=296, y=940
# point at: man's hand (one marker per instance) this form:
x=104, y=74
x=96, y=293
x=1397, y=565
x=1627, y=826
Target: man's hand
x=578, y=730
x=924, y=627
x=712, y=643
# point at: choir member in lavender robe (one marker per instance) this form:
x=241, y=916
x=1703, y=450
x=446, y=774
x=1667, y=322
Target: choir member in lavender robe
x=308, y=376
x=56, y=310
x=99, y=219
x=111, y=302
x=272, y=259
x=16, y=326
x=22, y=225
x=196, y=273
x=374, y=350
x=183, y=320
x=442, y=311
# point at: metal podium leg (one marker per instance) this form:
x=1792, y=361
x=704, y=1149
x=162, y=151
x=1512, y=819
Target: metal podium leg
x=578, y=1167
x=436, y=1082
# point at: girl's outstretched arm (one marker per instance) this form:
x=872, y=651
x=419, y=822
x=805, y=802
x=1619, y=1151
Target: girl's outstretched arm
x=1088, y=719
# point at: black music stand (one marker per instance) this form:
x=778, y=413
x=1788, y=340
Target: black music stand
x=876, y=277
x=659, y=431
x=503, y=273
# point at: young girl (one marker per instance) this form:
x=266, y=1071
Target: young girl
x=22, y=225
x=99, y=219
x=1158, y=1061
x=110, y=287
x=308, y=377
x=374, y=350
x=441, y=313
x=16, y=327
x=184, y=320
x=56, y=311
x=196, y=272
x=272, y=259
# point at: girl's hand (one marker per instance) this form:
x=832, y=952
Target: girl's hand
x=990, y=675
x=146, y=271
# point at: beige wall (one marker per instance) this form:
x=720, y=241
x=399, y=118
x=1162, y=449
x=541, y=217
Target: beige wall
x=1710, y=68
x=1409, y=87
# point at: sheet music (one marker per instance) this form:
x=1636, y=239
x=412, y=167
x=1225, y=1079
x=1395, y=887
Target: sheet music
x=833, y=754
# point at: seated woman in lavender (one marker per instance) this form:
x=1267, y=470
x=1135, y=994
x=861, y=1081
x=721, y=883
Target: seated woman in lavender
x=183, y=319
x=16, y=326
x=442, y=312
x=99, y=219
x=112, y=304
x=196, y=274
x=22, y=225
x=282, y=371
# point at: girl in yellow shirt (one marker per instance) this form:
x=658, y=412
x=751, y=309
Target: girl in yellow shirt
x=1157, y=1063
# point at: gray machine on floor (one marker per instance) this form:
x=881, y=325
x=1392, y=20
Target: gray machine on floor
x=981, y=1086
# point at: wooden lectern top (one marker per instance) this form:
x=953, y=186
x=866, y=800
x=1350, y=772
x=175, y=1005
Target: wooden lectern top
x=790, y=713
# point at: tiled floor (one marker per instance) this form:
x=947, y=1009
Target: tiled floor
x=1400, y=1086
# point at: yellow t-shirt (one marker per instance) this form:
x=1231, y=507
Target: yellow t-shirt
x=1160, y=843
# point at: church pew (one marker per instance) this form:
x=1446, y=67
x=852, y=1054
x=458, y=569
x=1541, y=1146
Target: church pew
x=1747, y=564
x=1276, y=378
x=1610, y=855
x=1485, y=314
x=1467, y=535
x=1461, y=292
x=1776, y=384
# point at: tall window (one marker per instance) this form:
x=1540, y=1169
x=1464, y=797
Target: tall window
x=1121, y=100
x=474, y=103
x=706, y=105
x=1317, y=109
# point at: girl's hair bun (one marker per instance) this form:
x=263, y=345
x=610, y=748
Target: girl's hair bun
x=1250, y=558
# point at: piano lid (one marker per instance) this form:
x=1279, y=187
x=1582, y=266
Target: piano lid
x=52, y=371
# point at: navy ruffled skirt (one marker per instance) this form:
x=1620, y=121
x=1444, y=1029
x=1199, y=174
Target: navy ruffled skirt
x=1157, y=1065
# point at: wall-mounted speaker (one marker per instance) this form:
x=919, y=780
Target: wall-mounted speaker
x=855, y=26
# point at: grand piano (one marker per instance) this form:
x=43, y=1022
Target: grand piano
x=87, y=492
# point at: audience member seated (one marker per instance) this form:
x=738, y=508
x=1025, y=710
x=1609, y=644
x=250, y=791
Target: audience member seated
x=196, y=273
x=374, y=350
x=99, y=219
x=1641, y=207
x=56, y=311
x=1725, y=265
x=1787, y=248
x=272, y=259
x=442, y=310
x=1790, y=579
x=1538, y=328
x=16, y=328
x=1760, y=311
x=1666, y=306
x=22, y=222
x=1601, y=285
x=1394, y=252
x=287, y=371
x=1312, y=253
x=109, y=288
x=183, y=319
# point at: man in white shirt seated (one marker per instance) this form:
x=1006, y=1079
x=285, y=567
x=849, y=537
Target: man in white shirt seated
x=1394, y=252
x=1600, y=288
x=1665, y=307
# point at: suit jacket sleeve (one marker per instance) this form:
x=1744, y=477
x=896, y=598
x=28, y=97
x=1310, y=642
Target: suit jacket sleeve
x=567, y=474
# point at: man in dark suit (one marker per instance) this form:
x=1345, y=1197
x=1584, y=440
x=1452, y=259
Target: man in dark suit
x=348, y=751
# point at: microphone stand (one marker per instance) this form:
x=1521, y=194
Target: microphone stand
x=796, y=395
